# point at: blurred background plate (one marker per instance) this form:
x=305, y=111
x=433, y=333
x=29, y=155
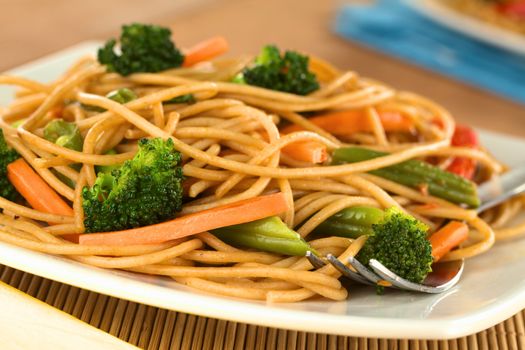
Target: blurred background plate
x=441, y=13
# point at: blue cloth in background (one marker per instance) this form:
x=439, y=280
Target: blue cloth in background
x=394, y=28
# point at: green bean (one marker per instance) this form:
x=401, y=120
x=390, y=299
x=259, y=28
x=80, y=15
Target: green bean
x=350, y=222
x=416, y=174
x=269, y=234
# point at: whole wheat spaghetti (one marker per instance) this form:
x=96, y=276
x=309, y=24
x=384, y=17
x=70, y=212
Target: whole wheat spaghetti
x=238, y=142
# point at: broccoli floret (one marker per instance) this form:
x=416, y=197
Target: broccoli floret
x=288, y=72
x=270, y=54
x=7, y=155
x=399, y=242
x=145, y=190
x=143, y=48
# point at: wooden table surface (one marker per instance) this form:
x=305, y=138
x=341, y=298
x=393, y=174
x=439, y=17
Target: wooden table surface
x=32, y=28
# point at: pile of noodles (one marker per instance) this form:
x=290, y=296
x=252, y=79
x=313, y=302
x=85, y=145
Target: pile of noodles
x=230, y=142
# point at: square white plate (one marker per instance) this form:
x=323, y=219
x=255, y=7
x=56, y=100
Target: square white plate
x=492, y=288
x=469, y=25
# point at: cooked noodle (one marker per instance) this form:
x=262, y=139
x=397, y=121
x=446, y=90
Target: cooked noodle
x=231, y=145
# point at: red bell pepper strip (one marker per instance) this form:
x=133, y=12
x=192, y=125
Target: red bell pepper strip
x=464, y=136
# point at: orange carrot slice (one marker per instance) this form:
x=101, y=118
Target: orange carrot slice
x=205, y=50
x=309, y=151
x=35, y=190
x=344, y=123
x=231, y=214
x=448, y=237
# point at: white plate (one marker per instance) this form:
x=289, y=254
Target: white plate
x=491, y=290
x=472, y=26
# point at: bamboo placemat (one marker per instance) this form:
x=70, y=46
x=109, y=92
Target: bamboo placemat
x=152, y=328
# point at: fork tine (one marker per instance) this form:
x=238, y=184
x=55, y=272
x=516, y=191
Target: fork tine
x=402, y=283
x=346, y=271
x=316, y=261
x=363, y=271
x=393, y=278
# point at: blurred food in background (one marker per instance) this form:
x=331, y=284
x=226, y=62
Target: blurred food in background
x=509, y=14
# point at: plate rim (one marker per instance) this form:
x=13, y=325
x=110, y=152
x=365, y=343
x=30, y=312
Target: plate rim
x=447, y=327
x=237, y=310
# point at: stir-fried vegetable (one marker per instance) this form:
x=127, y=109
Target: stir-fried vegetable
x=464, y=136
x=64, y=134
x=188, y=98
x=351, y=222
x=399, y=242
x=35, y=190
x=268, y=234
x=309, y=151
x=288, y=72
x=226, y=215
x=396, y=239
x=122, y=96
x=145, y=190
x=149, y=48
x=143, y=48
x=205, y=50
x=108, y=168
x=416, y=174
x=7, y=155
x=448, y=237
x=346, y=123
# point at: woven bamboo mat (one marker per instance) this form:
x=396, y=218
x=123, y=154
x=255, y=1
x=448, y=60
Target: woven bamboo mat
x=153, y=328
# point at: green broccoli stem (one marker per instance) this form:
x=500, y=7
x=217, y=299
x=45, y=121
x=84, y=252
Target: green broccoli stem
x=108, y=169
x=269, y=235
x=351, y=222
x=416, y=174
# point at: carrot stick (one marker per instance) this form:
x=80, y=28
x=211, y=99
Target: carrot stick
x=448, y=237
x=35, y=190
x=205, y=50
x=306, y=151
x=344, y=123
x=231, y=214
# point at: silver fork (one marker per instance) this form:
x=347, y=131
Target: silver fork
x=444, y=275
